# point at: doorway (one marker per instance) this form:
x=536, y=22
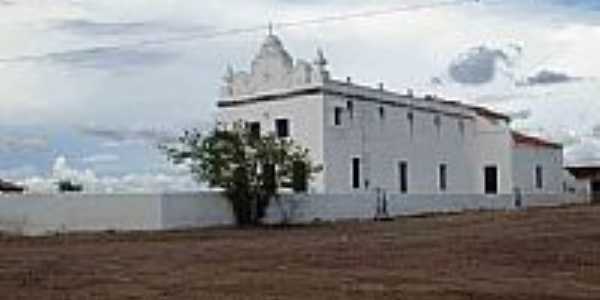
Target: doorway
x=491, y=180
x=595, y=185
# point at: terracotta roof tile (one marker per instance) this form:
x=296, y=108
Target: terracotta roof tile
x=523, y=139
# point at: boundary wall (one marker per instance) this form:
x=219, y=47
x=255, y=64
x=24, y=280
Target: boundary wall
x=61, y=213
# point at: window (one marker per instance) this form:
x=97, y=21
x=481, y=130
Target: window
x=539, y=177
x=443, y=177
x=254, y=129
x=350, y=108
x=595, y=186
x=411, y=122
x=403, y=176
x=337, y=116
x=491, y=179
x=356, y=173
x=437, y=121
x=282, y=127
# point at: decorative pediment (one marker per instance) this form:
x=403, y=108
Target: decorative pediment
x=273, y=68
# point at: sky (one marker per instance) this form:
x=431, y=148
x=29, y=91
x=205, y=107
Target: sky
x=88, y=88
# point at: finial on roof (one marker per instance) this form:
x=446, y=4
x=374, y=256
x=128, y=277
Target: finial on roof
x=228, y=79
x=321, y=60
x=229, y=74
x=320, y=73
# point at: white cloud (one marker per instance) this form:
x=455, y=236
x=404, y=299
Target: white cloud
x=135, y=134
x=578, y=42
x=19, y=144
x=18, y=172
x=101, y=159
x=62, y=171
x=402, y=49
x=587, y=152
x=130, y=183
x=547, y=77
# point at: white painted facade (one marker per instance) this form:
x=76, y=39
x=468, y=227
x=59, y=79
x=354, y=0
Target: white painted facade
x=339, y=122
x=538, y=170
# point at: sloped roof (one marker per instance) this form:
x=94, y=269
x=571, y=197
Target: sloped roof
x=480, y=110
x=523, y=139
x=486, y=112
x=584, y=172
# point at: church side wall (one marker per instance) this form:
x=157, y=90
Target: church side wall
x=382, y=141
x=493, y=147
x=305, y=115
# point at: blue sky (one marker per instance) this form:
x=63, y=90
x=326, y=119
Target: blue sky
x=579, y=4
x=89, y=88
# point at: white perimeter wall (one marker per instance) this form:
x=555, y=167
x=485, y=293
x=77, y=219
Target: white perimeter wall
x=195, y=210
x=38, y=215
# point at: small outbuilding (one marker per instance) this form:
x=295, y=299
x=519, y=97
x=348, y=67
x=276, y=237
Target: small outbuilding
x=587, y=179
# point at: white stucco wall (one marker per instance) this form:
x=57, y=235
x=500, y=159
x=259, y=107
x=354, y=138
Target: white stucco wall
x=46, y=214
x=305, y=115
x=492, y=147
x=37, y=214
x=527, y=158
x=463, y=141
x=324, y=207
x=407, y=205
x=192, y=210
x=554, y=199
x=382, y=143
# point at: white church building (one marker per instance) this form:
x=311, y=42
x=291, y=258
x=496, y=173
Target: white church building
x=370, y=138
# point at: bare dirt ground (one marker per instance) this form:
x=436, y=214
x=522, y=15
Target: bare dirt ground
x=538, y=254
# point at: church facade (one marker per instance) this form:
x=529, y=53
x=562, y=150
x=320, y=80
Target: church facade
x=369, y=138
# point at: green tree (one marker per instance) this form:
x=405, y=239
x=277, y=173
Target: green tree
x=67, y=186
x=250, y=169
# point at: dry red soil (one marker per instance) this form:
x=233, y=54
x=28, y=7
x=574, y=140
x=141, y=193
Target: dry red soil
x=536, y=254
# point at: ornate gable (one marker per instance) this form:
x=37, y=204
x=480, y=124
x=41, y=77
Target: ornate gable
x=273, y=68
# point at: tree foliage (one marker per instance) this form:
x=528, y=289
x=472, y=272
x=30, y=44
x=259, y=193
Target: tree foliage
x=68, y=186
x=250, y=169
